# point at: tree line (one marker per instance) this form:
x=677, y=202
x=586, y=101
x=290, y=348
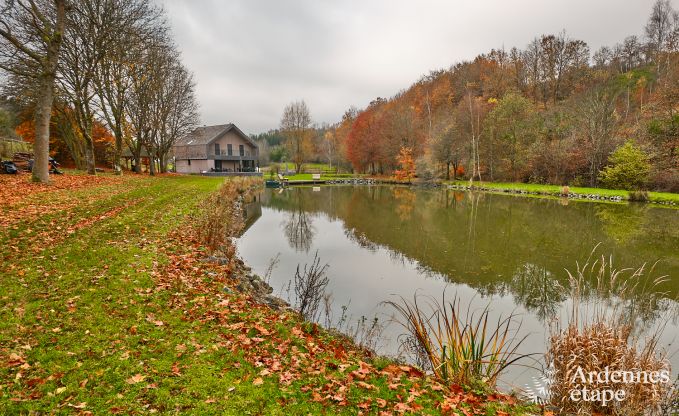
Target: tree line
x=552, y=112
x=84, y=65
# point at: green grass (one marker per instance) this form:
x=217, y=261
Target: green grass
x=555, y=189
x=88, y=320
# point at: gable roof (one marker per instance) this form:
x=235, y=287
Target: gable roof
x=207, y=134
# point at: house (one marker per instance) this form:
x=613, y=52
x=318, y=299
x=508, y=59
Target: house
x=222, y=148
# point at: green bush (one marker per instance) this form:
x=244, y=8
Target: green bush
x=628, y=168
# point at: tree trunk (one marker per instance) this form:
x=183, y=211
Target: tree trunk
x=447, y=171
x=89, y=156
x=43, y=113
x=117, y=153
x=162, y=163
x=137, y=163
x=152, y=162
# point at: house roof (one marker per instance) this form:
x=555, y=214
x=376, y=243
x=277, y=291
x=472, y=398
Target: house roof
x=207, y=134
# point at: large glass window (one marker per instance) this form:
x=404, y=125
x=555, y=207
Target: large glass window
x=229, y=149
x=241, y=149
x=217, y=148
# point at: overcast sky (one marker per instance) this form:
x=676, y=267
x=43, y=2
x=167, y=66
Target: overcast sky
x=251, y=57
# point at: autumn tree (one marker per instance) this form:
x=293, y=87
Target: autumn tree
x=295, y=124
x=363, y=142
x=31, y=36
x=341, y=133
x=406, y=165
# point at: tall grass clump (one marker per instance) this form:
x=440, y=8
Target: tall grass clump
x=599, y=337
x=458, y=345
x=222, y=216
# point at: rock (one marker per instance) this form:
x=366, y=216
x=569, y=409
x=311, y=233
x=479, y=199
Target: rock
x=218, y=260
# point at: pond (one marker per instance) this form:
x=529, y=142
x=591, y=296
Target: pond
x=510, y=252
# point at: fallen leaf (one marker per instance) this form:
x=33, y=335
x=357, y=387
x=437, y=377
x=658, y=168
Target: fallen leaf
x=137, y=378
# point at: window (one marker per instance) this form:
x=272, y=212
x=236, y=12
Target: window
x=241, y=149
x=189, y=162
x=229, y=149
x=217, y=148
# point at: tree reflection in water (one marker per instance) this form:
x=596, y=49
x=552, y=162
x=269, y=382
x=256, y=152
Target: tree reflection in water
x=537, y=290
x=298, y=226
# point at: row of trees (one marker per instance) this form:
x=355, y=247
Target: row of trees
x=89, y=63
x=549, y=113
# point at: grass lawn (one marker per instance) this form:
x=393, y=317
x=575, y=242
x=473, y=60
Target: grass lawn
x=107, y=308
x=555, y=189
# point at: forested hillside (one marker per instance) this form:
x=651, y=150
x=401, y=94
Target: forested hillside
x=552, y=112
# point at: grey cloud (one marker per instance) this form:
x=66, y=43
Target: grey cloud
x=252, y=57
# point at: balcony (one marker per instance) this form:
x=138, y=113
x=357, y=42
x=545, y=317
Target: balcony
x=224, y=155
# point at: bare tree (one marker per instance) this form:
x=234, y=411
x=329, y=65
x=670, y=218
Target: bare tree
x=176, y=109
x=660, y=25
x=597, y=121
x=140, y=99
x=295, y=124
x=91, y=31
x=134, y=21
x=31, y=36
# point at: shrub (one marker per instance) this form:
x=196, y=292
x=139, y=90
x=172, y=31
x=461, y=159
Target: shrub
x=639, y=196
x=629, y=168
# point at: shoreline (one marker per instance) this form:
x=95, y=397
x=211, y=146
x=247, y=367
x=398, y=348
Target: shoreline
x=665, y=199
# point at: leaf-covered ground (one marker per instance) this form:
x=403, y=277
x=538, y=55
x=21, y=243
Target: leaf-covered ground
x=108, y=308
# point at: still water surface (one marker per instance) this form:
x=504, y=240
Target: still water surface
x=509, y=252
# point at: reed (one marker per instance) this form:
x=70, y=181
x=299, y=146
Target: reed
x=460, y=346
x=598, y=336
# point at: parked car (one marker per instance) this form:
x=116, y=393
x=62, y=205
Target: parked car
x=7, y=166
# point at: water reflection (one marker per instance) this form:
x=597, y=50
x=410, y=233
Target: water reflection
x=386, y=240
x=537, y=290
x=298, y=226
x=622, y=223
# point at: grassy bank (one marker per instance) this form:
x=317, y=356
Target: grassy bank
x=555, y=190
x=108, y=307
x=308, y=176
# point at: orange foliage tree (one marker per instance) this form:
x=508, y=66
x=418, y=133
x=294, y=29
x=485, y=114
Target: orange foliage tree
x=364, y=147
x=406, y=171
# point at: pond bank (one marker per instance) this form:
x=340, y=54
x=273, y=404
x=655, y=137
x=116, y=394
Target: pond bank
x=592, y=194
